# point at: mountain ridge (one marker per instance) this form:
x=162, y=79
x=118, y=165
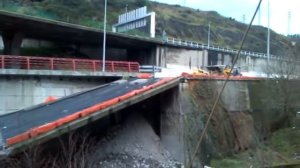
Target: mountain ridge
x=177, y=21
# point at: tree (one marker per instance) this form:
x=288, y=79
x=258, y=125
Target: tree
x=281, y=94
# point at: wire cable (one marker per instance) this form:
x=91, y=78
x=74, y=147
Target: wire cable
x=189, y=165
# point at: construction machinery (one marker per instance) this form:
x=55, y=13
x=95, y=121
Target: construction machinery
x=199, y=72
x=222, y=70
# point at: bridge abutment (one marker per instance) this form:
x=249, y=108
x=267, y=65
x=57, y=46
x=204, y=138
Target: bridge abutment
x=21, y=92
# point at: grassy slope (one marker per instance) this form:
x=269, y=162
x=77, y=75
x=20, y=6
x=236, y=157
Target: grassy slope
x=187, y=23
x=177, y=21
x=280, y=150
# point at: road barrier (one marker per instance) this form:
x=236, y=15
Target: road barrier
x=65, y=64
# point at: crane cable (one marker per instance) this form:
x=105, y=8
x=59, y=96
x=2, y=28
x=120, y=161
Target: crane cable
x=189, y=165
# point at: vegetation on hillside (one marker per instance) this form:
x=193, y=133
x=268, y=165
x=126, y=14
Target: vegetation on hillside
x=175, y=20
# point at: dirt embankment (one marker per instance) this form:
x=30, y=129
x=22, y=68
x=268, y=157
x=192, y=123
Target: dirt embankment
x=229, y=132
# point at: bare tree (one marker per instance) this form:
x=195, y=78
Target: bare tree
x=283, y=85
x=76, y=152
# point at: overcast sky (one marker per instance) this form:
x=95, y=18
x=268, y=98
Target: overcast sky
x=279, y=10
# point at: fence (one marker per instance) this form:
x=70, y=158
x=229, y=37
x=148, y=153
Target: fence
x=192, y=44
x=65, y=64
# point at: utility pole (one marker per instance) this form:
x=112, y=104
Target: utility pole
x=268, y=39
x=126, y=9
x=104, y=38
x=208, y=36
x=289, y=23
x=259, y=15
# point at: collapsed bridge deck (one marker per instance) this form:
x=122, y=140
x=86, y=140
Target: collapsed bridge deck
x=50, y=120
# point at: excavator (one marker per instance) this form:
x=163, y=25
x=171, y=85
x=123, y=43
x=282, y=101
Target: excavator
x=195, y=72
x=222, y=70
x=199, y=72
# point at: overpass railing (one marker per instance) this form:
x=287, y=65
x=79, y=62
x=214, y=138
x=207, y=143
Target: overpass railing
x=67, y=64
x=192, y=44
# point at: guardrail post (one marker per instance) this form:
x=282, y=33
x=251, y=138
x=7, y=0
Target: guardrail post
x=94, y=66
x=74, y=65
x=28, y=63
x=129, y=67
x=51, y=64
x=2, y=62
x=112, y=66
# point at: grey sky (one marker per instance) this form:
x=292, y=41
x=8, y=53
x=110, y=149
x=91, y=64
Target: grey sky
x=237, y=8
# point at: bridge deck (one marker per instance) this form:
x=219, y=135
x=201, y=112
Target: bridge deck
x=28, y=125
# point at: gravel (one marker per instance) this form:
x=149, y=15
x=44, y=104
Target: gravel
x=133, y=144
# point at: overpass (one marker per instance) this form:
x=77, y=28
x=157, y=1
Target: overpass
x=160, y=52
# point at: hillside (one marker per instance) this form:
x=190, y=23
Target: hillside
x=177, y=21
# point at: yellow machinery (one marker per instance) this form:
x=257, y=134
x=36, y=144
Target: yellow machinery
x=199, y=72
x=221, y=70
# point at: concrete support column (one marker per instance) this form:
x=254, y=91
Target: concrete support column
x=12, y=43
x=205, y=58
x=160, y=56
x=220, y=62
x=227, y=59
x=212, y=58
x=171, y=123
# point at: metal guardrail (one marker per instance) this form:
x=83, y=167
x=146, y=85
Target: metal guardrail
x=68, y=64
x=197, y=45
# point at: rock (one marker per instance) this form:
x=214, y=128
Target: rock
x=139, y=147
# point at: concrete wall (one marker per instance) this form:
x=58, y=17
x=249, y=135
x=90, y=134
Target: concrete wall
x=180, y=56
x=33, y=43
x=235, y=96
x=246, y=63
x=197, y=58
x=171, y=124
x=20, y=92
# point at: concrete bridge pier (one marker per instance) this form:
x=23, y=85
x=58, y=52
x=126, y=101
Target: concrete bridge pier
x=12, y=42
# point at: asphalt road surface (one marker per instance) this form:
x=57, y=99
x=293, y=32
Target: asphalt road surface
x=20, y=121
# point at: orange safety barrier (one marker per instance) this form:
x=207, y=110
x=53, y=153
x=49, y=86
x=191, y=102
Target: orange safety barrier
x=42, y=129
x=126, y=96
x=156, y=84
x=144, y=75
x=110, y=102
x=18, y=138
x=146, y=88
x=90, y=110
x=67, y=119
x=98, y=107
x=50, y=99
x=139, y=91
